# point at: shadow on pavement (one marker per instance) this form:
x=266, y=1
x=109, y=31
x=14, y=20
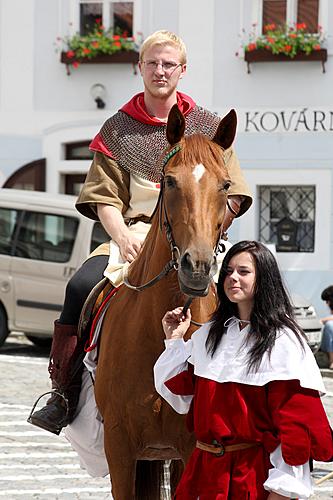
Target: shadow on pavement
x=18, y=344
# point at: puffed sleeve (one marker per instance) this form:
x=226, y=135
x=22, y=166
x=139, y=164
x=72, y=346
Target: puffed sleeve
x=238, y=182
x=287, y=480
x=300, y=419
x=173, y=379
x=304, y=432
x=106, y=183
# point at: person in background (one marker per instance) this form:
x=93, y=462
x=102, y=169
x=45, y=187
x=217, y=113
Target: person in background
x=121, y=191
x=250, y=386
x=327, y=338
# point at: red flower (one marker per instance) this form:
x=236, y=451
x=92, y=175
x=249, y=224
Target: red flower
x=252, y=46
x=70, y=54
x=95, y=45
x=98, y=20
x=293, y=35
x=270, y=27
x=86, y=51
x=287, y=48
x=125, y=34
x=270, y=39
x=316, y=47
x=75, y=64
x=116, y=37
x=117, y=44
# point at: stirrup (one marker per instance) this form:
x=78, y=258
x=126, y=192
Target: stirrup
x=56, y=430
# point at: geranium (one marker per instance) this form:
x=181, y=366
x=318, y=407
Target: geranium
x=98, y=42
x=288, y=40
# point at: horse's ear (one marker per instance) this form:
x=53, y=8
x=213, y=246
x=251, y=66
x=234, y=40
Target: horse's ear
x=226, y=131
x=175, y=126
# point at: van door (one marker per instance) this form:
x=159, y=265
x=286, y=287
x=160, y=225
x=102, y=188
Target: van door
x=44, y=260
x=8, y=223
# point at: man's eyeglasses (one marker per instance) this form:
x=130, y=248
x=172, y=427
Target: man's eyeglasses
x=168, y=66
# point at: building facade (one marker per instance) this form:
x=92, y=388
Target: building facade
x=285, y=109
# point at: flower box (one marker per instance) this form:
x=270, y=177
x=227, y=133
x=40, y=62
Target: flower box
x=123, y=56
x=265, y=55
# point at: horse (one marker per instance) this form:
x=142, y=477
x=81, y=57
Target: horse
x=141, y=430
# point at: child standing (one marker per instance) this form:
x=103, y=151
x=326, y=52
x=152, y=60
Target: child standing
x=250, y=386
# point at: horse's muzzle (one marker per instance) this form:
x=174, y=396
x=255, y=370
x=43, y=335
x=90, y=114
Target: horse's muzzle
x=195, y=276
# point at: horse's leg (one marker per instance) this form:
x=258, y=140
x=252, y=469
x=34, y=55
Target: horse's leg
x=122, y=463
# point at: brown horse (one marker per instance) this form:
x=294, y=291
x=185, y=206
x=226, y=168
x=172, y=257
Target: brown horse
x=139, y=426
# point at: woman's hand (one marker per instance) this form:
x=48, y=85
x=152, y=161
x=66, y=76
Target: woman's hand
x=175, y=324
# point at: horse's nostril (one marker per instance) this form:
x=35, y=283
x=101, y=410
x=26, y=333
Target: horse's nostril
x=186, y=261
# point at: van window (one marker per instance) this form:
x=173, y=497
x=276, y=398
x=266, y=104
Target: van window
x=46, y=237
x=8, y=221
x=99, y=236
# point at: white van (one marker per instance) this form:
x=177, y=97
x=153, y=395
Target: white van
x=43, y=240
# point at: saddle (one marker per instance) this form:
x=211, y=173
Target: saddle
x=93, y=302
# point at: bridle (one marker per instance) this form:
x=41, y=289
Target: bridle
x=175, y=254
x=165, y=223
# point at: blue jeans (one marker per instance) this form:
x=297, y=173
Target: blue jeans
x=327, y=338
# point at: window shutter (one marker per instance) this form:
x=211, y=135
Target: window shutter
x=274, y=11
x=307, y=12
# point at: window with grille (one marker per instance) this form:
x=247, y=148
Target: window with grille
x=287, y=217
x=281, y=12
x=109, y=13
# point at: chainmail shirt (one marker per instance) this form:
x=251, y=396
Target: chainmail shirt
x=137, y=147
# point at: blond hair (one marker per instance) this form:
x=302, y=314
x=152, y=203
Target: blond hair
x=164, y=37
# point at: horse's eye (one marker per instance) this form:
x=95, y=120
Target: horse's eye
x=224, y=187
x=170, y=182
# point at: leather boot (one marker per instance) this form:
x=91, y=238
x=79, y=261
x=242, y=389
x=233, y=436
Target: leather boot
x=54, y=415
x=66, y=372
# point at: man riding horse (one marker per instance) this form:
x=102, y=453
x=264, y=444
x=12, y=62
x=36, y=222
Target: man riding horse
x=121, y=191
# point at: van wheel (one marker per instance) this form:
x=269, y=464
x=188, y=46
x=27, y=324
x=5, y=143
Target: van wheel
x=43, y=342
x=4, y=332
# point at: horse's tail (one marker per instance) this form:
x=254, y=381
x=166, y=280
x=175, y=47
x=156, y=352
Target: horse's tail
x=149, y=479
x=153, y=476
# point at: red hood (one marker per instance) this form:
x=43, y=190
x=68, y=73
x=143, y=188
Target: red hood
x=136, y=108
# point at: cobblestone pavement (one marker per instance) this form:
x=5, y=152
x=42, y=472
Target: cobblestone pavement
x=35, y=464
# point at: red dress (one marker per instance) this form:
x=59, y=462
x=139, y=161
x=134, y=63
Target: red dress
x=281, y=415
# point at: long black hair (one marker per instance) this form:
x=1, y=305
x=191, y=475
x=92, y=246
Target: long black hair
x=271, y=311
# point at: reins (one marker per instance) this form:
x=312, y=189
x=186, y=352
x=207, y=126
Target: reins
x=174, y=262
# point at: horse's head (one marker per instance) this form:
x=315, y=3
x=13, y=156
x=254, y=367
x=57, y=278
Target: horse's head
x=194, y=199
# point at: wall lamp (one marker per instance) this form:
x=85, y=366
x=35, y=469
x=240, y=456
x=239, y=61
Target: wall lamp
x=98, y=93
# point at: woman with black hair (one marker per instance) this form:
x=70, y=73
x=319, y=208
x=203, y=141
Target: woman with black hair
x=250, y=386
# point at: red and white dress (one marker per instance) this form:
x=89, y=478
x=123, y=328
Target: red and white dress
x=278, y=406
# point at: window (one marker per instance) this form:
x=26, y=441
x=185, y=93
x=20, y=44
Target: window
x=78, y=151
x=287, y=217
x=289, y=12
x=99, y=236
x=46, y=237
x=112, y=14
x=8, y=221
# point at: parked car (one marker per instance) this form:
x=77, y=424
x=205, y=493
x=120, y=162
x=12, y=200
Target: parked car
x=43, y=240
x=306, y=316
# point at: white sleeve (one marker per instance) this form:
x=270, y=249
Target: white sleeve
x=171, y=362
x=290, y=481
